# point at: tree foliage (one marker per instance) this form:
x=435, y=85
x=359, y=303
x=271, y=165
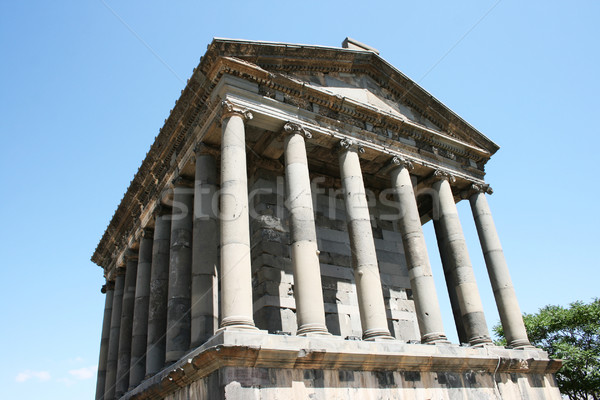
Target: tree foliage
x=573, y=335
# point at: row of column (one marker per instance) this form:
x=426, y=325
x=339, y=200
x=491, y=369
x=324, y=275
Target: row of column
x=164, y=302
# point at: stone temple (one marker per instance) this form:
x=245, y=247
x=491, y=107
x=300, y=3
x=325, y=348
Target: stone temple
x=270, y=244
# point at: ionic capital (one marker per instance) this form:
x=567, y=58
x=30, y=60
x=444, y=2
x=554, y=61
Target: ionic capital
x=130, y=255
x=477, y=188
x=294, y=128
x=443, y=175
x=182, y=181
x=161, y=210
x=402, y=162
x=148, y=233
x=348, y=144
x=204, y=149
x=228, y=109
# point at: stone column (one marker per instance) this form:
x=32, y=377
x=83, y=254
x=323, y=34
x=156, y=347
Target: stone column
x=205, y=249
x=113, y=341
x=504, y=292
x=452, y=241
x=180, y=271
x=364, y=259
x=308, y=292
x=109, y=290
x=126, y=325
x=427, y=306
x=236, y=269
x=159, y=286
x=451, y=286
x=140, y=311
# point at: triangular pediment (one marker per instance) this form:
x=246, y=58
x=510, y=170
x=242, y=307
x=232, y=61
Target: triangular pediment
x=362, y=76
x=363, y=89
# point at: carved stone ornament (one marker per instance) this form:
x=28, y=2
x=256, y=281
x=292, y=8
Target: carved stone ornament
x=440, y=174
x=204, y=149
x=182, y=181
x=481, y=188
x=402, y=162
x=161, y=210
x=131, y=255
x=348, y=144
x=148, y=233
x=228, y=109
x=292, y=128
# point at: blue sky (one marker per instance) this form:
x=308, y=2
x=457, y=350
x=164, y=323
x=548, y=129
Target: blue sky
x=85, y=87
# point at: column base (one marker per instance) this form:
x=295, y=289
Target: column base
x=376, y=334
x=313, y=330
x=480, y=341
x=237, y=323
x=520, y=344
x=434, y=338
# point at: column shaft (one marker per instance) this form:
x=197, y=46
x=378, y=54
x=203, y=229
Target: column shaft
x=308, y=292
x=451, y=285
x=236, y=269
x=427, y=306
x=504, y=292
x=113, y=342
x=205, y=251
x=457, y=258
x=109, y=288
x=364, y=259
x=180, y=272
x=140, y=311
x=159, y=286
x=126, y=327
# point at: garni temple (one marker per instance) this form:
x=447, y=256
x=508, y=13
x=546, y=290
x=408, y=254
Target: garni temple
x=270, y=246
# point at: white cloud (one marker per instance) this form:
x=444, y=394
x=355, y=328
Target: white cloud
x=66, y=381
x=24, y=376
x=85, y=372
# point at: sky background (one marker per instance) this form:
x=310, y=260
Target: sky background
x=86, y=85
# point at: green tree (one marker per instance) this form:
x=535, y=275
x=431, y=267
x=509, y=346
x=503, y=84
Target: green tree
x=573, y=335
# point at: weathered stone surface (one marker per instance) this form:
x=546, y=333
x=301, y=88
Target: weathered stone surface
x=238, y=365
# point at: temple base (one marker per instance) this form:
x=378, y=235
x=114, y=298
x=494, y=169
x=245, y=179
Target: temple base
x=254, y=364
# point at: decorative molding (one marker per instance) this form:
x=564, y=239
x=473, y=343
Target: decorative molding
x=229, y=109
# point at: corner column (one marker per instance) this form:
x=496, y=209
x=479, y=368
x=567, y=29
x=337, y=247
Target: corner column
x=205, y=249
x=504, y=292
x=159, y=286
x=427, y=306
x=308, y=292
x=109, y=290
x=364, y=258
x=454, y=249
x=113, y=341
x=140, y=310
x=236, y=268
x=126, y=325
x=180, y=271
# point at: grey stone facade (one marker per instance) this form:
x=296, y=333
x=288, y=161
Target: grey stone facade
x=277, y=218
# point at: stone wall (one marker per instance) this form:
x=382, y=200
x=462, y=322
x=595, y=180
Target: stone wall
x=273, y=283
x=235, y=383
